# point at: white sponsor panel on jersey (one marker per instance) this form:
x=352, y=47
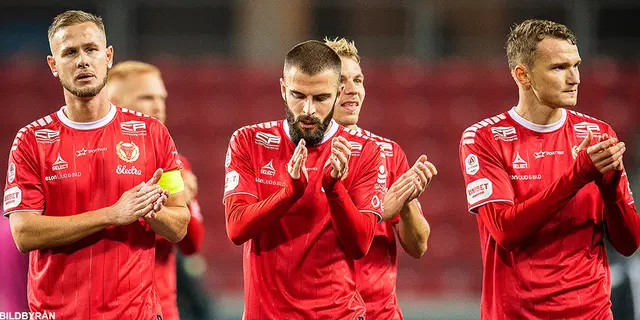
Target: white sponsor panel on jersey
x=267, y=140
x=479, y=190
x=47, y=135
x=507, y=134
x=11, y=173
x=471, y=164
x=134, y=128
x=582, y=129
x=382, y=175
x=231, y=180
x=12, y=198
x=268, y=169
x=519, y=163
x=127, y=151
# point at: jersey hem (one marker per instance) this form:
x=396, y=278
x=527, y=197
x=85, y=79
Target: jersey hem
x=483, y=203
x=235, y=193
x=375, y=213
x=7, y=213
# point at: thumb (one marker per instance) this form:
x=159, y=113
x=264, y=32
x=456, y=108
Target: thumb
x=155, y=178
x=587, y=141
x=422, y=158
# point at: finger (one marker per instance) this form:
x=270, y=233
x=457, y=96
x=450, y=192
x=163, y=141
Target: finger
x=342, y=146
x=421, y=171
x=609, y=152
x=421, y=159
x=343, y=141
x=432, y=168
x=156, y=177
x=587, y=141
x=340, y=156
x=600, y=146
x=399, y=186
x=613, y=158
x=335, y=163
x=147, y=201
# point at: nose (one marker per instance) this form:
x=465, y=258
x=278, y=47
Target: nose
x=83, y=60
x=349, y=87
x=574, y=76
x=309, y=107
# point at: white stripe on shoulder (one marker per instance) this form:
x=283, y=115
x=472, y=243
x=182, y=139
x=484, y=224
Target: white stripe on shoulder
x=469, y=133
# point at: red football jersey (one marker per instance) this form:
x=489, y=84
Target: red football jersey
x=298, y=269
x=562, y=272
x=377, y=272
x=62, y=168
x=166, y=262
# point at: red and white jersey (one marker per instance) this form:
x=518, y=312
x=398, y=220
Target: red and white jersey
x=298, y=269
x=563, y=271
x=377, y=272
x=63, y=168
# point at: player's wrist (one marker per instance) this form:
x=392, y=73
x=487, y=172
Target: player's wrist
x=584, y=168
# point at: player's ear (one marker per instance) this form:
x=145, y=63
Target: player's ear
x=283, y=89
x=521, y=75
x=109, y=57
x=52, y=65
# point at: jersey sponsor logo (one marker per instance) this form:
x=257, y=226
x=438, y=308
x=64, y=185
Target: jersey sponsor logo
x=60, y=164
x=268, y=169
x=84, y=152
x=479, y=190
x=519, y=163
x=387, y=148
x=227, y=158
x=47, y=136
x=270, y=182
x=582, y=129
x=127, y=151
x=122, y=169
x=231, y=180
x=134, y=128
x=525, y=177
x=382, y=175
x=356, y=148
x=12, y=198
x=471, y=164
x=267, y=140
x=507, y=134
x=61, y=176
x=11, y=173
x=542, y=154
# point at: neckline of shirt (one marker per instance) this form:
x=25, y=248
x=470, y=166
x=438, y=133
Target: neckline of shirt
x=87, y=125
x=542, y=128
x=327, y=135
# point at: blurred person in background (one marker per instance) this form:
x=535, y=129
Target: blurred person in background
x=138, y=86
x=76, y=193
x=302, y=203
x=376, y=273
x=528, y=175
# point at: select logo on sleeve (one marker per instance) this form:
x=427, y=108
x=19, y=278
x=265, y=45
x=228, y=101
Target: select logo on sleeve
x=12, y=198
x=479, y=190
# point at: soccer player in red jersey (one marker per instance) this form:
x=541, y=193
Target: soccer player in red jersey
x=304, y=195
x=76, y=193
x=138, y=86
x=544, y=191
x=376, y=273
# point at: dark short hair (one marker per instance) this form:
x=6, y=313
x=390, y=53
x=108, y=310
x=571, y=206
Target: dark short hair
x=523, y=39
x=73, y=17
x=312, y=57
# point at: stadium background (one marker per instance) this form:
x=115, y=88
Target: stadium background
x=432, y=68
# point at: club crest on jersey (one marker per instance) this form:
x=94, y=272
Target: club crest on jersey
x=356, y=148
x=127, y=151
x=507, y=134
x=387, y=148
x=11, y=173
x=582, y=129
x=268, y=169
x=134, y=128
x=60, y=164
x=267, y=140
x=47, y=136
x=519, y=163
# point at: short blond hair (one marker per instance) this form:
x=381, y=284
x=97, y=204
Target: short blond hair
x=73, y=17
x=123, y=70
x=522, y=43
x=343, y=48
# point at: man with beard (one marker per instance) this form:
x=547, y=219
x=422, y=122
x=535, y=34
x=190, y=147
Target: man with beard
x=303, y=195
x=76, y=193
x=378, y=270
x=138, y=86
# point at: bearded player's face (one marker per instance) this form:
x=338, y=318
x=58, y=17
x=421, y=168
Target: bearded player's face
x=309, y=103
x=80, y=59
